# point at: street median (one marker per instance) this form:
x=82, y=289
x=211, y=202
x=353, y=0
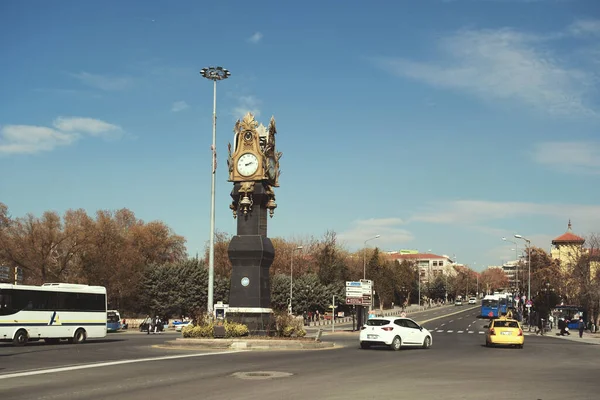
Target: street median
x=251, y=344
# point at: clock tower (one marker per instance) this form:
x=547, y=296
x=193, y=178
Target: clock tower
x=254, y=170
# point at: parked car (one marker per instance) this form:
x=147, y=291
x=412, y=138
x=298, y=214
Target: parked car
x=472, y=300
x=458, y=302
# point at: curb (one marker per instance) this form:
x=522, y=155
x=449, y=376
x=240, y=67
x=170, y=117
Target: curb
x=250, y=344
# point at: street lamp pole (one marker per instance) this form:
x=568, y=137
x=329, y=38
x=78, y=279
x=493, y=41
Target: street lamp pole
x=365, y=255
x=214, y=74
x=528, y=264
x=292, y=276
x=516, y=260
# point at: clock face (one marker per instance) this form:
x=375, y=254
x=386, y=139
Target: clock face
x=247, y=164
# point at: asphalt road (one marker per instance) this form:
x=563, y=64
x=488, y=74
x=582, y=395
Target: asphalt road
x=458, y=366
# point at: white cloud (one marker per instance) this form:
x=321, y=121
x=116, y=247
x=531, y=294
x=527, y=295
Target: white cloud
x=179, y=106
x=247, y=104
x=390, y=230
x=468, y=212
x=104, y=82
x=255, y=38
x=569, y=156
x=31, y=139
x=585, y=27
x=502, y=64
x=93, y=127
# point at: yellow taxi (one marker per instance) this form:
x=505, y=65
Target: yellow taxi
x=505, y=332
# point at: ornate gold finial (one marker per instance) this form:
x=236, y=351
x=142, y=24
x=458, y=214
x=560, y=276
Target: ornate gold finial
x=248, y=123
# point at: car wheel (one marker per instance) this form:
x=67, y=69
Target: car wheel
x=520, y=346
x=21, y=338
x=364, y=345
x=396, y=343
x=79, y=337
x=427, y=342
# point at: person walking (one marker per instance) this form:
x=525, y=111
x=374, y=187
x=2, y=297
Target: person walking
x=581, y=326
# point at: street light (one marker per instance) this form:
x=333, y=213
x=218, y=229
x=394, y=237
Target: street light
x=214, y=74
x=292, y=276
x=516, y=260
x=365, y=256
x=528, y=264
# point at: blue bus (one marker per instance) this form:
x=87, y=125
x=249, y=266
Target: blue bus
x=113, y=321
x=490, y=305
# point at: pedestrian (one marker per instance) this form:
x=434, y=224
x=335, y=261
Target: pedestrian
x=581, y=327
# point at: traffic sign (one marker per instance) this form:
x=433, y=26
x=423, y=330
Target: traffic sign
x=354, y=300
x=350, y=283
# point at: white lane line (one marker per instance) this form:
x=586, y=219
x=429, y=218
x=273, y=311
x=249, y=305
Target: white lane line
x=450, y=331
x=451, y=321
x=470, y=331
x=474, y=322
x=442, y=324
x=481, y=332
x=459, y=317
x=459, y=332
x=109, y=363
x=440, y=331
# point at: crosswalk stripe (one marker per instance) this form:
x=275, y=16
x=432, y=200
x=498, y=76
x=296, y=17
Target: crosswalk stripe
x=450, y=331
x=470, y=331
x=459, y=332
x=481, y=333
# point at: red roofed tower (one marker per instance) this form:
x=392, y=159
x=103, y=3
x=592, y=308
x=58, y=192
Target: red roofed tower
x=567, y=247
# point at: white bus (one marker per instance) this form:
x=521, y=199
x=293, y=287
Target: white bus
x=52, y=312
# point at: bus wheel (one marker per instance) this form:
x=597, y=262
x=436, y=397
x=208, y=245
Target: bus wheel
x=20, y=338
x=79, y=336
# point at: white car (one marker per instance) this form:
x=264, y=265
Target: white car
x=182, y=325
x=395, y=332
x=472, y=300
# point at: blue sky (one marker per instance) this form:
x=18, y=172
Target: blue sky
x=439, y=125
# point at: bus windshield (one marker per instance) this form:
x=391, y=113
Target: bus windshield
x=489, y=303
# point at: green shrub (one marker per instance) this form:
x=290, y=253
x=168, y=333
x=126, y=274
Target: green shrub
x=288, y=326
x=206, y=329
x=235, y=329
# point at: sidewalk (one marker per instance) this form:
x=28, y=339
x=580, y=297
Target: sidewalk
x=590, y=338
x=397, y=310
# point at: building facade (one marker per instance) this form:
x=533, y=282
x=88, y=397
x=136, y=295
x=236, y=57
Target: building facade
x=430, y=265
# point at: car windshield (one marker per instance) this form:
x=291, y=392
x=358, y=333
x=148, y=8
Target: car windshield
x=377, y=322
x=505, y=324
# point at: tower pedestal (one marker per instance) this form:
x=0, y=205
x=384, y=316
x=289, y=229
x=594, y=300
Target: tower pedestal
x=250, y=292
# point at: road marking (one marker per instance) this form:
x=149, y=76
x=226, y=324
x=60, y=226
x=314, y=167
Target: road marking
x=459, y=317
x=110, y=363
x=481, y=333
x=459, y=332
x=440, y=331
x=450, y=331
x=443, y=316
x=451, y=321
x=470, y=331
x=442, y=324
x=474, y=322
